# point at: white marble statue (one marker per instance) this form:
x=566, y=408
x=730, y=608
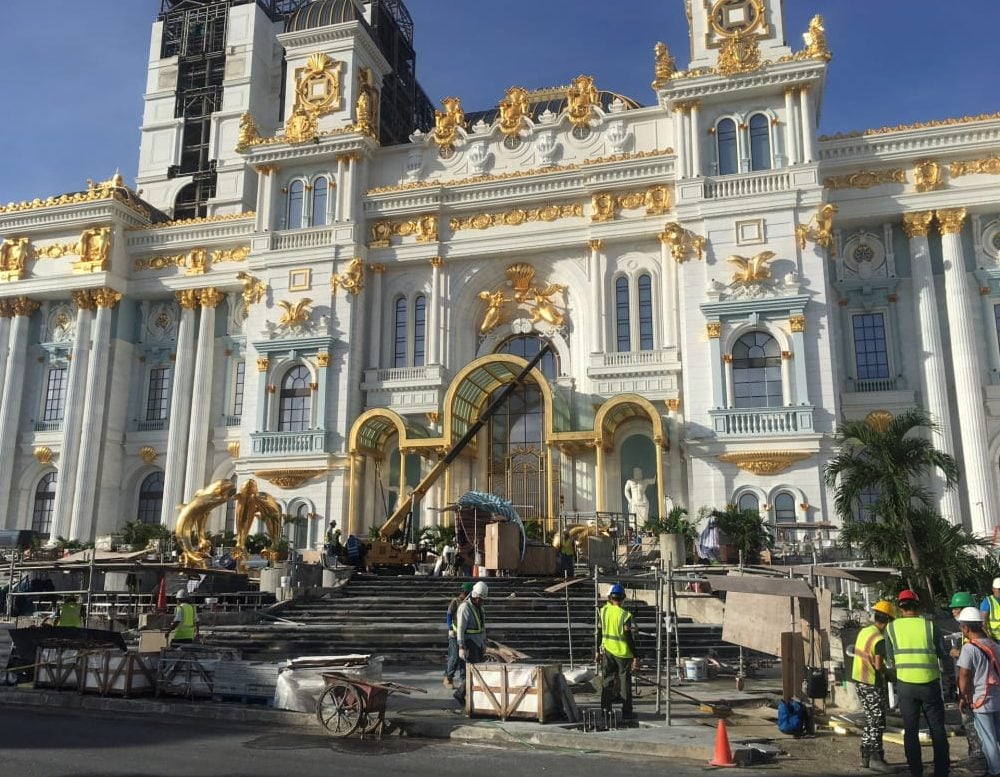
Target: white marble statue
x=635, y=495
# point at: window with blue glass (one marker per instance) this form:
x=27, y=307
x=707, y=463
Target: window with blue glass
x=44, y=504
x=55, y=395
x=399, y=338
x=158, y=394
x=757, y=371
x=748, y=501
x=295, y=401
x=239, y=382
x=870, y=354
x=419, y=330
x=320, y=189
x=623, y=323
x=296, y=197
x=151, y=498
x=645, y=313
x=760, y=143
x=725, y=136
x=784, y=508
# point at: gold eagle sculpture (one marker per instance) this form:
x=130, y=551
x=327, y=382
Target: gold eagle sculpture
x=753, y=270
x=295, y=313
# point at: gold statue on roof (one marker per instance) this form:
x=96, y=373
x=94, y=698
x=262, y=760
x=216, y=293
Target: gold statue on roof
x=14, y=255
x=665, y=65
x=448, y=122
x=815, y=40
x=514, y=107
x=581, y=98
x=249, y=133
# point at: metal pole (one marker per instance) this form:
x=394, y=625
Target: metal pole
x=659, y=637
x=569, y=624
x=670, y=597
x=90, y=584
x=10, y=586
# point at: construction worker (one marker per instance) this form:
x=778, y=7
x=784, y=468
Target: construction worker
x=959, y=602
x=70, y=613
x=470, y=633
x=453, y=605
x=991, y=609
x=914, y=648
x=979, y=683
x=868, y=674
x=185, y=627
x=618, y=656
x=567, y=554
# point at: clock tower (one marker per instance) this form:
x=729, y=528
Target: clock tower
x=716, y=24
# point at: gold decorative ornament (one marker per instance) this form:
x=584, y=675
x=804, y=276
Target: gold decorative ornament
x=752, y=270
x=950, y=122
x=739, y=54
x=352, y=280
x=5, y=309
x=83, y=299
x=664, y=66
x=433, y=417
x=253, y=288
x=513, y=109
x=928, y=175
x=984, y=291
x=448, y=122
x=815, y=40
x=112, y=189
x=210, y=298
x=366, y=106
x=234, y=449
x=603, y=206
x=674, y=404
x=797, y=323
x=865, y=179
x=263, y=363
x=516, y=217
x=294, y=314
x=94, y=250
x=819, y=230
x=196, y=262
x=736, y=17
x=266, y=170
x=248, y=133
x=317, y=85
x=657, y=200
x=377, y=268
x=14, y=255
x=425, y=228
x=682, y=242
x=159, y=262
x=950, y=220
x=918, y=223
x=43, y=454
x=192, y=522
x=253, y=505
x=595, y=245
x=301, y=126
x=988, y=165
x=879, y=420
x=188, y=299
x=786, y=355
x=106, y=298
x=289, y=478
x=764, y=462
x=581, y=99
x=54, y=251
x=436, y=262
x=23, y=306
x=323, y=359
x=238, y=254
x=148, y=454
x=537, y=297
x=714, y=330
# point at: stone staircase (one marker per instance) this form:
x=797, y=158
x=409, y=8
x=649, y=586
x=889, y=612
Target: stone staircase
x=403, y=619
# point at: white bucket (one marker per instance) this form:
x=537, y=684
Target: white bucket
x=286, y=581
x=695, y=669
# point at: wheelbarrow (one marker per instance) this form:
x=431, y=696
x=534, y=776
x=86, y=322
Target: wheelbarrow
x=348, y=705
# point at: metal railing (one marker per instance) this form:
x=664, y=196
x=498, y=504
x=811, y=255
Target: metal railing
x=151, y=426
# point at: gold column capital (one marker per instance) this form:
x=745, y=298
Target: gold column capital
x=378, y=269
x=797, y=323
x=263, y=363
x=210, y=297
x=437, y=262
x=106, y=298
x=23, y=306
x=595, y=245
x=918, y=223
x=323, y=359
x=83, y=299
x=6, y=311
x=714, y=330
x=187, y=299
x=950, y=220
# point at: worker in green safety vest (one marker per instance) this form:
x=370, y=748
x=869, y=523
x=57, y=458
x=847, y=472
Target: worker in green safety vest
x=868, y=674
x=70, y=613
x=185, y=627
x=915, y=650
x=990, y=607
x=617, y=656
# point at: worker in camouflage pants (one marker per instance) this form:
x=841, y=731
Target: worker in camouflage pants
x=868, y=674
x=874, y=702
x=959, y=601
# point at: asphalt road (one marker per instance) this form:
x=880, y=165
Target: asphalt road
x=59, y=744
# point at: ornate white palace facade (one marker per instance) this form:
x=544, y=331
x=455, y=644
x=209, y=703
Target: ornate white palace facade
x=309, y=292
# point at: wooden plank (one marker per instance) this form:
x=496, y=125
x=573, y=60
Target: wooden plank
x=559, y=587
x=766, y=586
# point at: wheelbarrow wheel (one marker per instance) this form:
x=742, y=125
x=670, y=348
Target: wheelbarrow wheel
x=340, y=709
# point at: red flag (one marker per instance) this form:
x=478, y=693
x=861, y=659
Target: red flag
x=161, y=595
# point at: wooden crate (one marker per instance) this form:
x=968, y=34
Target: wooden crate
x=539, y=560
x=503, y=546
x=113, y=673
x=522, y=691
x=58, y=668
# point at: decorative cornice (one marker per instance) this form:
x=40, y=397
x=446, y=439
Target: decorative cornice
x=201, y=220
x=865, y=179
x=918, y=223
x=764, y=462
x=989, y=165
x=112, y=189
x=950, y=122
x=516, y=216
x=950, y=220
x=289, y=478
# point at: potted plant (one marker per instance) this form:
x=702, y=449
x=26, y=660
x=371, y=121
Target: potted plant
x=746, y=530
x=676, y=534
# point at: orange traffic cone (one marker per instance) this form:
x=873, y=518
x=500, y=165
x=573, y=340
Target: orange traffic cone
x=723, y=753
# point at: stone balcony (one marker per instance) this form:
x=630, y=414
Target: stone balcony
x=288, y=443
x=406, y=389
x=762, y=422
x=639, y=372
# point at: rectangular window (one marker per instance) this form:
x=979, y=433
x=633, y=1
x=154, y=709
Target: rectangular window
x=238, y=382
x=645, y=313
x=622, y=319
x=870, y=354
x=158, y=396
x=55, y=395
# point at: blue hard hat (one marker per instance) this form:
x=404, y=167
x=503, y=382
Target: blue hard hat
x=617, y=591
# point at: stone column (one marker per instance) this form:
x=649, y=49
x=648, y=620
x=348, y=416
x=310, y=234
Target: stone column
x=668, y=271
x=680, y=131
x=180, y=409
x=596, y=296
x=600, y=487
x=714, y=332
x=348, y=191
x=930, y=353
x=21, y=309
x=791, y=146
x=263, y=365
x=83, y=525
x=800, y=386
x=727, y=369
x=786, y=379
x=375, y=331
x=695, y=148
x=200, y=425
x=69, y=449
x=433, y=323
x=979, y=477
x=6, y=312
x=338, y=208
x=808, y=126
x=265, y=208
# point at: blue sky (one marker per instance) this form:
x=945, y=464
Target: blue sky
x=74, y=70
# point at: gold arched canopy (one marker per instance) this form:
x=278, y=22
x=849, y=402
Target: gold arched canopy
x=624, y=407
x=374, y=428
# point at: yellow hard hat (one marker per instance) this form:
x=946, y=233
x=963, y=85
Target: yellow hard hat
x=886, y=608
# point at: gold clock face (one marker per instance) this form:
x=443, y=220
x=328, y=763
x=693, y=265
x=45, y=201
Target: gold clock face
x=736, y=17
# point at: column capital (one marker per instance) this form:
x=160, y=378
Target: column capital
x=263, y=363
x=106, y=298
x=210, y=297
x=23, y=306
x=187, y=299
x=950, y=220
x=378, y=269
x=6, y=311
x=918, y=223
x=595, y=245
x=437, y=262
x=83, y=299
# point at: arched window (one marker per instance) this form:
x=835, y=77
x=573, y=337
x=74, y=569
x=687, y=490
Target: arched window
x=399, y=342
x=320, y=189
x=300, y=535
x=622, y=320
x=760, y=142
x=748, y=501
x=45, y=500
x=526, y=347
x=645, y=313
x=866, y=500
x=295, y=403
x=757, y=371
x=150, y=498
x=419, y=330
x=784, y=508
x=296, y=193
x=725, y=135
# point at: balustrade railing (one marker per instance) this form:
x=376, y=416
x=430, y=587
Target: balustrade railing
x=761, y=423
x=745, y=185
x=275, y=443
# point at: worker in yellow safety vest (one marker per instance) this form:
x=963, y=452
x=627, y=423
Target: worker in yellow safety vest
x=567, y=554
x=617, y=657
x=991, y=610
x=868, y=674
x=70, y=613
x=915, y=650
x=185, y=627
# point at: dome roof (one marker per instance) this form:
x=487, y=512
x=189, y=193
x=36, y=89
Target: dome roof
x=320, y=13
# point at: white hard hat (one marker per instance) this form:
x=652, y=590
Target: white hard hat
x=996, y=582
x=182, y=594
x=970, y=615
x=480, y=590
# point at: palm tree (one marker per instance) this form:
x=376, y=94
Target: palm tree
x=746, y=529
x=890, y=459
